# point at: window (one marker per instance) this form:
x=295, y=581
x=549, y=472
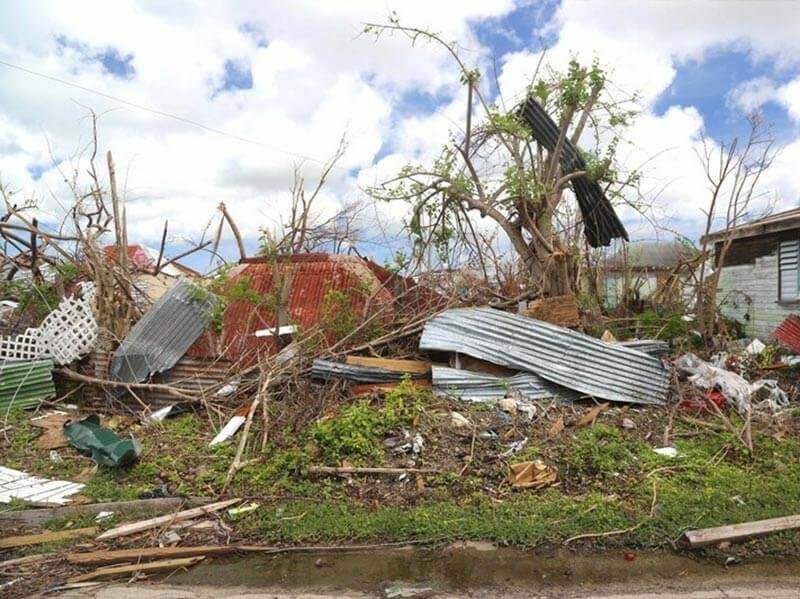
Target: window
x=789, y=271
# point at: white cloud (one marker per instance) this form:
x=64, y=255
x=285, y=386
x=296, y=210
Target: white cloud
x=318, y=77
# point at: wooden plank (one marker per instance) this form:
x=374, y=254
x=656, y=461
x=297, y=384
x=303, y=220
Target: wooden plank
x=46, y=537
x=562, y=310
x=352, y=470
x=28, y=560
x=167, y=564
x=412, y=366
x=135, y=527
x=734, y=532
x=139, y=507
x=144, y=554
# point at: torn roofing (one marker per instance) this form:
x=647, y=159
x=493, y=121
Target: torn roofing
x=568, y=358
x=315, y=285
x=600, y=222
x=479, y=386
x=788, y=333
x=652, y=347
x=328, y=369
x=164, y=333
x=25, y=384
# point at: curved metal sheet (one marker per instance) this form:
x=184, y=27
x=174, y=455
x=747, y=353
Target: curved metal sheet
x=568, y=358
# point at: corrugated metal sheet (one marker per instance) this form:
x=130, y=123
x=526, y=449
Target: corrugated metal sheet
x=478, y=386
x=788, y=333
x=310, y=278
x=25, y=384
x=600, y=222
x=161, y=337
x=652, y=347
x=20, y=485
x=200, y=376
x=565, y=357
x=328, y=369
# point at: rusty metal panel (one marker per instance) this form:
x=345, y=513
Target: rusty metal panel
x=788, y=333
x=562, y=356
x=311, y=277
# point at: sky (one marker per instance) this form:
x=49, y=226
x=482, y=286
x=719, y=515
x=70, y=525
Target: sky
x=214, y=102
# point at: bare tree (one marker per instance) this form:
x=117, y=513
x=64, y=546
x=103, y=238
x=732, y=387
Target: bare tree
x=733, y=172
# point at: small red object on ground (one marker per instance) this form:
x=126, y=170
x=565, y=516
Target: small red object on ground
x=630, y=556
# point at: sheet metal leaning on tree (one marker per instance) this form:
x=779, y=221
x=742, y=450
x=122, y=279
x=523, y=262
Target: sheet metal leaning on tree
x=568, y=358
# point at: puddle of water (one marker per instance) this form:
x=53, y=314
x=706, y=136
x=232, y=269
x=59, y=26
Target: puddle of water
x=470, y=566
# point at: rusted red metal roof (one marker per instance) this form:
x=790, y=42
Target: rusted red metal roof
x=310, y=279
x=788, y=333
x=137, y=255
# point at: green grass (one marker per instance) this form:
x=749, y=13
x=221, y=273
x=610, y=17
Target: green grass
x=610, y=480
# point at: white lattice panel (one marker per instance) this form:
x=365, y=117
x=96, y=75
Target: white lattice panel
x=21, y=347
x=66, y=334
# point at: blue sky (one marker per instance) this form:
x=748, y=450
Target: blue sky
x=261, y=90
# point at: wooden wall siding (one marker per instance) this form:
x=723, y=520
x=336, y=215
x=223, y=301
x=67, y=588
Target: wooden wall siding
x=746, y=250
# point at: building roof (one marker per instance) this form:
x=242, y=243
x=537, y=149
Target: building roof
x=144, y=258
x=650, y=254
x=310, y=280
x=774, y=223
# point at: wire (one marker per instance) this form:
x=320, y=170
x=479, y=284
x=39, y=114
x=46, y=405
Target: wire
x=166, y=114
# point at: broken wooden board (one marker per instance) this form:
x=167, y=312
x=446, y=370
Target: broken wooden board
x=145, y=554
x=139, y=508
x=159, y=566
x=589, y=416
x=142, y=525
x=46, y=537
x=52, y=426
x=562, y=310
x=735, y=532
x=532, y=475
x=410, y=366
x=465, y=362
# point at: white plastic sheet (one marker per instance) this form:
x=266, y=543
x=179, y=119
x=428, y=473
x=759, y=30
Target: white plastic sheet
x=733, y=386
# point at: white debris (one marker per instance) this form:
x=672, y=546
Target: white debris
x=159, y=415
x=20, y=485
x=228, y=389
x=735, y=388
x=55, y=457
x=228, y=431
x=458, y=420
x=101, y=516
x=289, y=329
x=790, y=360
x=755, y=348
x=514, y=447
x=508, y=404
x=667, y=452
x=66, y=334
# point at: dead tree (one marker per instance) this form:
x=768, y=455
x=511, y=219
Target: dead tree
x=734, y=174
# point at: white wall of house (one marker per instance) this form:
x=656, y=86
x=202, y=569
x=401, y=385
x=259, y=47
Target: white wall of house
x=748, y=293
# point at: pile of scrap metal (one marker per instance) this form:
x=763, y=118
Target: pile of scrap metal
x=513, y=354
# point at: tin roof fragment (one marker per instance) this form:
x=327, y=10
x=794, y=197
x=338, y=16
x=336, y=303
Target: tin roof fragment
x=481, y=387
x=328, y=369
x=25, y=384
x=559, y=355
x=164, y=334
x=788, y=333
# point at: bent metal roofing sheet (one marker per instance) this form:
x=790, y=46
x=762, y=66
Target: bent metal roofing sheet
x=568, y=358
